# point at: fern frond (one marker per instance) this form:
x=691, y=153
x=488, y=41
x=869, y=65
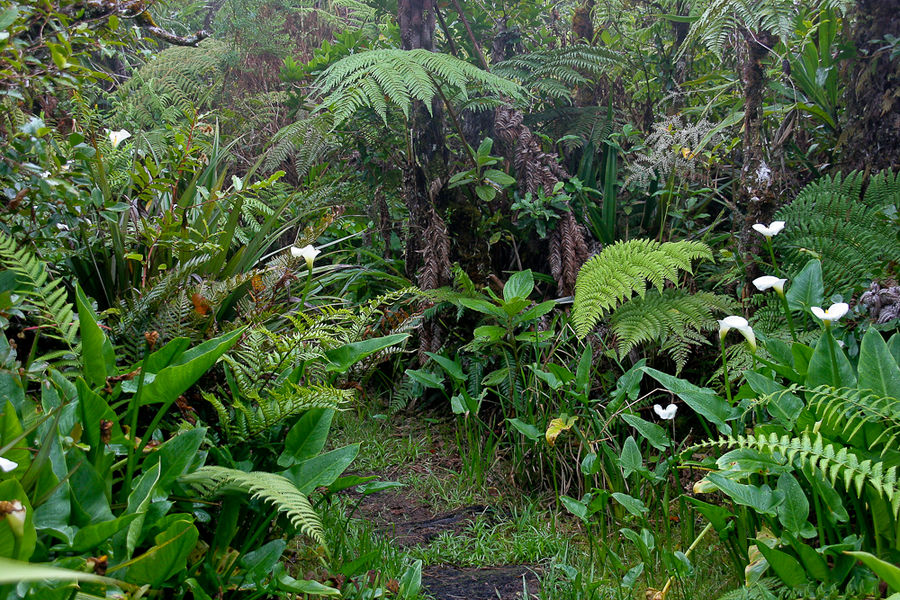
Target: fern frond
x=554, y=73
x=847, y=411
x=835, y=462
x=276, y=489
x=625, y=268
x=375, y=78
x=850, y=232
x=673, y=318
x=48, y=297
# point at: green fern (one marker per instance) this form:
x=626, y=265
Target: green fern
x=623, y=269
x=847, y=411
x=719, y=19
x=849, y=231
x=554, y=73
x=375, y=78
x=835, y=462
x=48, y=297
x=305, y=142
x=276, y=489
x=673, y=318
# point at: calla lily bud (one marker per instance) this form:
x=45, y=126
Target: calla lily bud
x=769, y=231
x=834, y=312
x=739, y=324
x=704, y=487
x=15, y=513
x=7, y=465
x=767, y=281
x=307, y=253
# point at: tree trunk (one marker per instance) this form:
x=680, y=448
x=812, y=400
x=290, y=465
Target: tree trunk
x=871, y=139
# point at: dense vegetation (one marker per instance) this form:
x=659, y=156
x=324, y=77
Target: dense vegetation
x=627, y=270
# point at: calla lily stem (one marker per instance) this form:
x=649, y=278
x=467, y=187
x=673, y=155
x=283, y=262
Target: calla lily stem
x=790, y=318
x=725, y=372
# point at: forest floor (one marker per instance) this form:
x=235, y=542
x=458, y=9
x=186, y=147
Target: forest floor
x=487, y=540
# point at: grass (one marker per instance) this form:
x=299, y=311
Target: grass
x=519, y=528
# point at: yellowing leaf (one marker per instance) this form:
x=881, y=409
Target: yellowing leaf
x=557, y=426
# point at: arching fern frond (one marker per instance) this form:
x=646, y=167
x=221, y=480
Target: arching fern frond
x=836, y=463
x=847, y=411
x=47, y=297
x=276, y=489
x=850, y=232
x=673, y=318
x=375, y=78
x=305, y=142
x=556, y=72
x=625, y=268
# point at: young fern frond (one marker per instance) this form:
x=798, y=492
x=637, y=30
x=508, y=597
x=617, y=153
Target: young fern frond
x=624, y=269
x=673, y=318
x=375, y=78
x=48, y=297
x=835, y=462
x=848, y=411
x=273, y=488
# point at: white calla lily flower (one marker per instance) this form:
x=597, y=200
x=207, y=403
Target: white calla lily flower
x=7, y=465
x=15, y=516
x=834, y=312
x=739, y=324
x=667, y=413
x=771, y=230
x=308, y=253
x=117, y=137
x=768, y=281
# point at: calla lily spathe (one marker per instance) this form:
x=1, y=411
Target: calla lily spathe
x=117, y=137
x=667, y=413
x=740, y=324
x=771, y=230
x=834, y=312
x=7, y=465
x=308, y=253
x=768, y=281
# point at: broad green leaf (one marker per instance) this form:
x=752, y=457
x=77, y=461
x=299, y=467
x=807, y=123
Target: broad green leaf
x=519, y=285
x=827, y=357
x=894, y=347
x=806, y=288
x=703, y=401
x=92, y=409
x=259, y=563
x=411, y=581
x=631, y=459
x=427, y=378
x=878, y=371
x=138, y=502
x=14, y=571
x=11, y=429
x=535, y=312
x=794, y=511
x=890, y=573
x=342, y=358
x=483, y=306
x=95, y=534
x=287, y=583
x=651, y=432
x=89, y=501
x=785, y=566
x=453, y=368
x=557, y=426
x=321, y=470
x=166, y=355
x=762, y=498
x=715, y=514
x=175, y=379
x=307, y=437
x=526, y=429
x=492, y=332
x=576, y=507
x=631, y=504
x=631, y=577
x=175, y=455
x=97, y=352
x=815, y=564
x=782, y=403
x=166, y=558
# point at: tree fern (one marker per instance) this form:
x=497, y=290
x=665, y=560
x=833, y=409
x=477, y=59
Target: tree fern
x=623, y=269
x=835, y=462
x=556, y=72
x=48, y=297
x=850, y=232
x=673, y=318
x=275, y=489
x=375, y=78
x=305, y=142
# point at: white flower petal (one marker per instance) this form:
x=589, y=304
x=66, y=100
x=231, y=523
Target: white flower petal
x=770, y=230
x=7, y=465
x=666, y=413
x=117, y=137
x=834, y=312
x=768, y=281
x=308, y=253
x=818, y=312
x=740, y=324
